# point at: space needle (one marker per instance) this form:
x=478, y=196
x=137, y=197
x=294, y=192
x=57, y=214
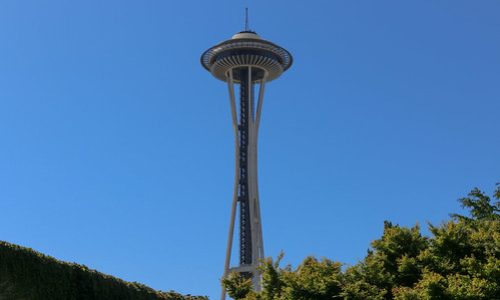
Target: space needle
x=246, y=62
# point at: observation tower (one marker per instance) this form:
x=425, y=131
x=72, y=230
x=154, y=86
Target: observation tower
x=246, y=62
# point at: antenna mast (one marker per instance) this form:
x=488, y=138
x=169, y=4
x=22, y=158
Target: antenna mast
x=246, y=19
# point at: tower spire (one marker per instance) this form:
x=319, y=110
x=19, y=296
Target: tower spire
x=247, y=28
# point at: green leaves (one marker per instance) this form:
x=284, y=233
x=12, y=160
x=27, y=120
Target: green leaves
x=27, y=274
x=237, y=286
x=479, y=205
x=460, y=261
x=313, y=279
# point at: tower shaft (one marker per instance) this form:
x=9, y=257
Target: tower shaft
x=243, y=190
x=246, y=195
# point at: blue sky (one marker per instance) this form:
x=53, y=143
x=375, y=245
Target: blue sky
x=116, y=146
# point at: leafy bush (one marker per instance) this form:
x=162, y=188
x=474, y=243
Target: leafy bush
x=29, y=275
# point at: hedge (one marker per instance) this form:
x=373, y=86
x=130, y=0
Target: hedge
x=29, y=275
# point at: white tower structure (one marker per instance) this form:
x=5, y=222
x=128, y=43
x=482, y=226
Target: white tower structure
x=246, y=62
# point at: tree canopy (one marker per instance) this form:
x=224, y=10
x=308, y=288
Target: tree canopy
x=459, y=261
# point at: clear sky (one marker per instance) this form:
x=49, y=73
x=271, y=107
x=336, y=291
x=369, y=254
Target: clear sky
x=116, y=146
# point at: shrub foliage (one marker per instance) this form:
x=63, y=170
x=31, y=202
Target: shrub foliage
x=28, y=275
x=459, y=261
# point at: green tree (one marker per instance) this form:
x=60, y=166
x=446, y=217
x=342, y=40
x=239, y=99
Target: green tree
x=312, y=280
x=392, y=262
x=459, y=261
x=237, y=286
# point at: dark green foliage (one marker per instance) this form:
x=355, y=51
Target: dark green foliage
x=28, y=275
x=480, y=207
x=312, y=280
x=460, y=261
x=237, y=287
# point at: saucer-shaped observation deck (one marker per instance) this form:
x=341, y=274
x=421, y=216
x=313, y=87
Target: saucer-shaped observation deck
x=247, y=49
